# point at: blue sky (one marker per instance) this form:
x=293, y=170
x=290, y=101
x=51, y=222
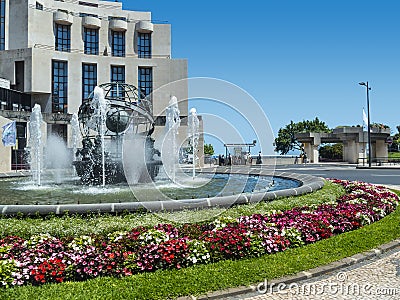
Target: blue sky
x=298, y=59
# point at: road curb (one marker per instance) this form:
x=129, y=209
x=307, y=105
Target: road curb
x=303, y=275
x=378, y=167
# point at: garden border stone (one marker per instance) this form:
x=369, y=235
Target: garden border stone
x=308, y=184
x=303, y=275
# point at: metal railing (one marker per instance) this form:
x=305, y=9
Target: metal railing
x=379, y=161
x=14, y=100
x=101, y=6
x=81, y=51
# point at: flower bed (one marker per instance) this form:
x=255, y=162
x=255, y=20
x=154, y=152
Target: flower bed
x=46, y=259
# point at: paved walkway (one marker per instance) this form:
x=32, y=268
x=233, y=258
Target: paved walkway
x=370, y=275
x=378, y=278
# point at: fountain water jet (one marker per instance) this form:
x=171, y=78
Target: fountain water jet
x=100, y=107
x=58, y=158
x=169, y=150
x=193, y=134
x=35, y=143
x=76, y=135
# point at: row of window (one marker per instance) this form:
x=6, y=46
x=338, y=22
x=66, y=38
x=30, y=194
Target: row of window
x=2, y=24
x=89, y=82
x=91, y=41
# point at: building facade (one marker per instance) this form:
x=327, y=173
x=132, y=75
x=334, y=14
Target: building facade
x=57, y=51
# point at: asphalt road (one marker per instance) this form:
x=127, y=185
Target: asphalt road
x=350, y=172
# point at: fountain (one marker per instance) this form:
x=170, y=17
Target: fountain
x=35, y=144
x=110, y=111
x=116, y=124
x=193, y=134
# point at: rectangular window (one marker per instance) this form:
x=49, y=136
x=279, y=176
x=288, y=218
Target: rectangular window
x=82, y=15
x=145, y=82
x=110, y=18
x=88, y=4
x=118, y=43
x=117, y=76
x=2, y=24
x=91, y=40
x=144, y=45
x=19, y=75
x=89, y=79
x=63, y=38
x=59, y=86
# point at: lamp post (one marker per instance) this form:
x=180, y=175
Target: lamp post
x=369, y=124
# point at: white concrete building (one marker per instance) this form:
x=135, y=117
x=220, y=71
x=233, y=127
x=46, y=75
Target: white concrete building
x=57, y=51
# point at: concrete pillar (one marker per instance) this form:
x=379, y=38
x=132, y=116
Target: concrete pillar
x=307, y=149
x=381, y=150
x=5, y=152
x=312, y=152
x=315, y=154
x=350, y=151
x=345, y=158
x=362, y=153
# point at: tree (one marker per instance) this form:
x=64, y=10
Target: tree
x=334, y=151
x=396, y=141
x=208, y=149
x=286, y=140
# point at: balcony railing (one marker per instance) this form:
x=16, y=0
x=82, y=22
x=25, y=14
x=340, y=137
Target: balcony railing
x=81, y=51
x=14, y=100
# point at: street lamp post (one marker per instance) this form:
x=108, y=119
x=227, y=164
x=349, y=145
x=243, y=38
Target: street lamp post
x=369, y=124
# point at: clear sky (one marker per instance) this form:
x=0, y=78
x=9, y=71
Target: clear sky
x=298, y=59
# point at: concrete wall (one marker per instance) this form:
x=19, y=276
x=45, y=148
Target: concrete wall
x=4, y=83
x=161, y=40
x=5, y=152
x=271, y=160
x=167, y=76
x=18, y=24
x=7, y=22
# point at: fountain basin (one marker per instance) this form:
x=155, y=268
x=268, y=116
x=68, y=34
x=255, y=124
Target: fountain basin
x=307, y=184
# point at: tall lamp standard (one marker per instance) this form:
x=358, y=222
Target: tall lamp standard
x=369, y=125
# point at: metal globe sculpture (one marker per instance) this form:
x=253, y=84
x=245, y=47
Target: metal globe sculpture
x=117, y=120
x=103, y=124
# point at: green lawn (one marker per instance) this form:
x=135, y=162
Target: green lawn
x=394, y=155
x=169, y=284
